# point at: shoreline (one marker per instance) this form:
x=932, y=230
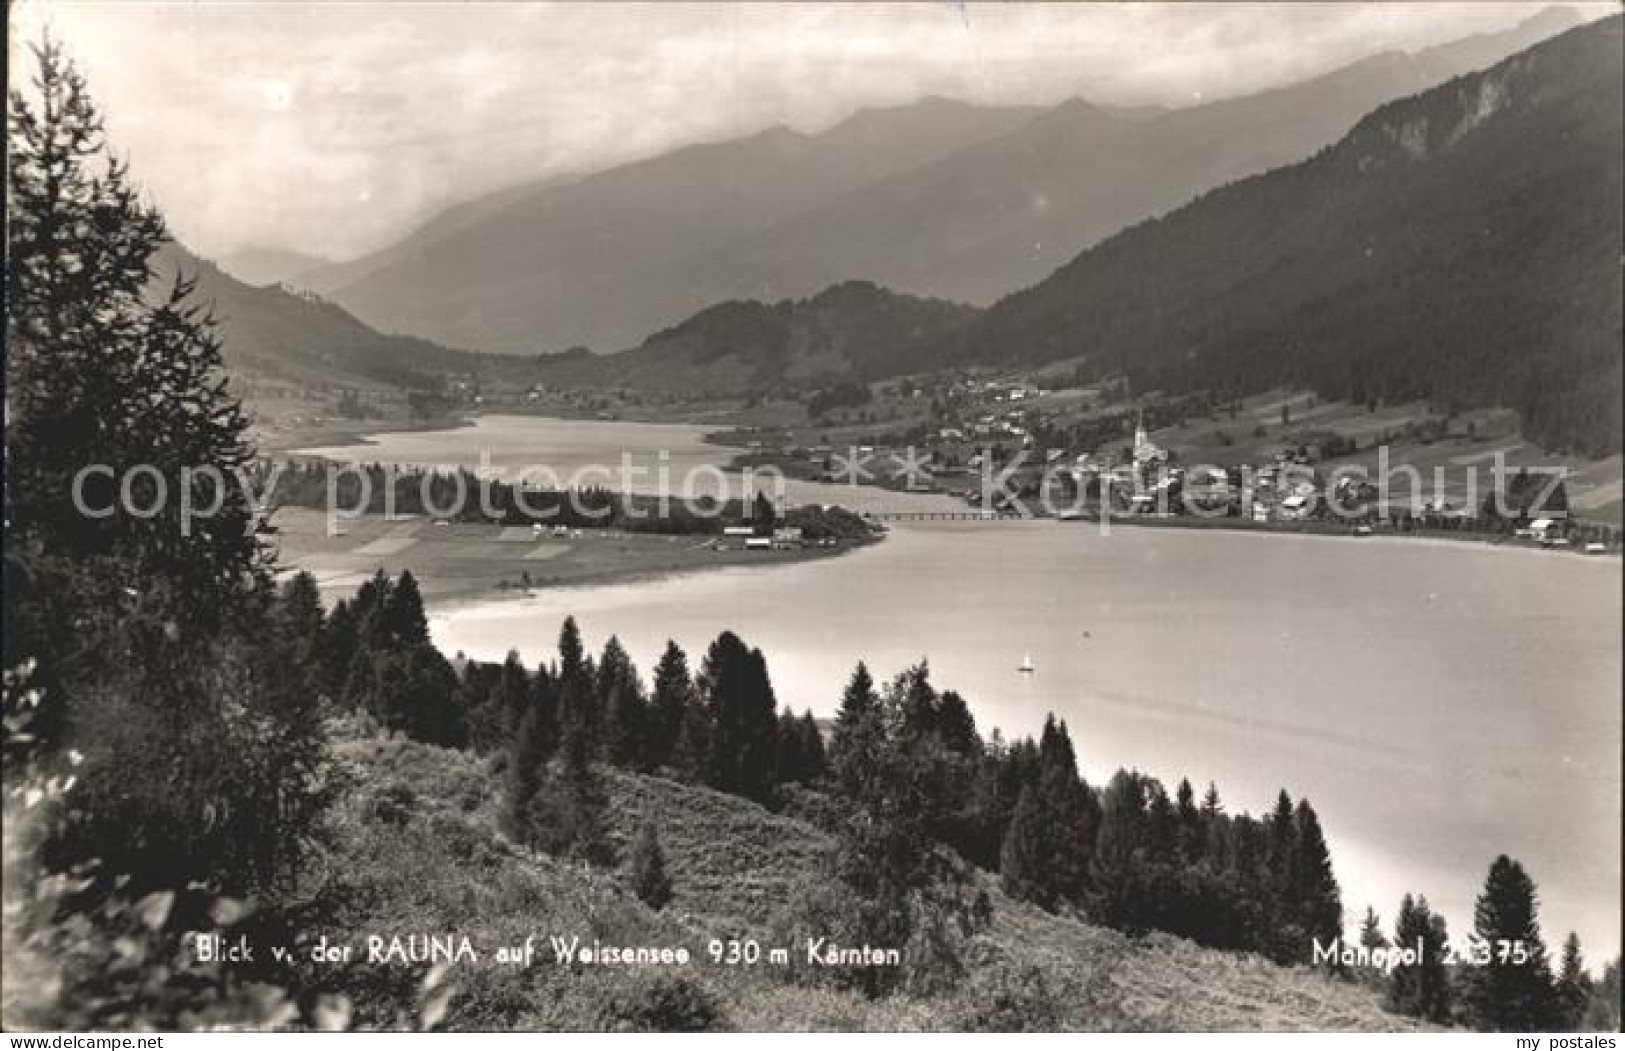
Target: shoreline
x=354, y=432
x=1333, y=532
x=472, y=562
x=362, y=433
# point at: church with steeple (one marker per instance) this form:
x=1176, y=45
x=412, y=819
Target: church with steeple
x=1145, y=450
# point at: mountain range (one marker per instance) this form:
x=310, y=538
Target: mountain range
x=1461, y=245
x=850, y=332
x=939, y=199
x=271, y=332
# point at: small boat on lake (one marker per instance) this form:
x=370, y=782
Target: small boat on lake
x=1026, y=666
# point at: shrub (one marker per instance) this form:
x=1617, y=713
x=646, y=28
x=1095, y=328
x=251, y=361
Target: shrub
x=649, y=880
x=393, y=804
x=1005, y=1000
x=665, y=1005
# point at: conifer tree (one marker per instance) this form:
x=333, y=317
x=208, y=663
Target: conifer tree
x=648, y=867
x=1161, y=827
x=739, y=701
x=1573, y=986
x=402, y=622
x=162, y=642
x=359, y=681
x=815, y=761
x=300, y=612
x=414, y=691
x=1191, y=839
x=340, y=637
x=620, y=698
x=1281, y=843
x=1122, y=817
x=1512, y=991
x=577, y=692
x=1602, y=1013
x=572, y=655
x=789, y=767
x=1313, y=896
x=512, y=693
x=1022, y=858
x=565, y=816
x=1071, y=815
x=1216, y=832
x=957, y=726
x=857, y=727
x=1371, y=936
x=101, y=371
x=1420, y=989
x=691, y=753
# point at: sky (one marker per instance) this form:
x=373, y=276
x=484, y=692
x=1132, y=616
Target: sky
x=333, y=129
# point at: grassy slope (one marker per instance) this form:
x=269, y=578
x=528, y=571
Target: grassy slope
x=442, y=866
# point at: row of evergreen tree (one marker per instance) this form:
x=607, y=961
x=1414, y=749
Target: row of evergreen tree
x=1127, y=854
x=920, y=787
x=1501, y=977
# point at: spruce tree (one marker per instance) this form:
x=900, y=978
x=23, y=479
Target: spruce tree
x=340, y=637
x=402, y=622
x=691, y=753
x=789, y=766
x=572, y=655
x=163, y=641
x=1281, y=843
x=512, y=693
x=1602, y=1013
x=619, y=694
x=565, y=816
x=1161, y=827
x=1313, y=896
x=739, y=701
x=648, y=869
x=1122, y=817
x=1023, y=857
x=100, y=370
x=1191, y=840
x=1573, y=986
x=1371, y=936
x=1071, y=815
x=1217, y=845
x=1512, y=991
x=813, y=757
x=1420, y=989
x=301, y=616
x=857, y=726
x=957, y=726
x=673, y=693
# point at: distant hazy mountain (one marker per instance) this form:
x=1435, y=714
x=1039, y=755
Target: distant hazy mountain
x=602, y=260
x=938, y=198
x=270, y=332
x=1462, y=245
x=265, y=266
x=849, y=331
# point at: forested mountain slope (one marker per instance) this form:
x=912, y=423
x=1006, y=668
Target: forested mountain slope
x=1462, y=245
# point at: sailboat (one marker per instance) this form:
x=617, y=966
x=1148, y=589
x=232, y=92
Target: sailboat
x=1026, y=666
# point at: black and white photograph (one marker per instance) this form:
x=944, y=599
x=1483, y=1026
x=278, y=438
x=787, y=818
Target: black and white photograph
x=797, y=517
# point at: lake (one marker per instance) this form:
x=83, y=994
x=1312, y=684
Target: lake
x=650, y=457
x=1439, y=703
